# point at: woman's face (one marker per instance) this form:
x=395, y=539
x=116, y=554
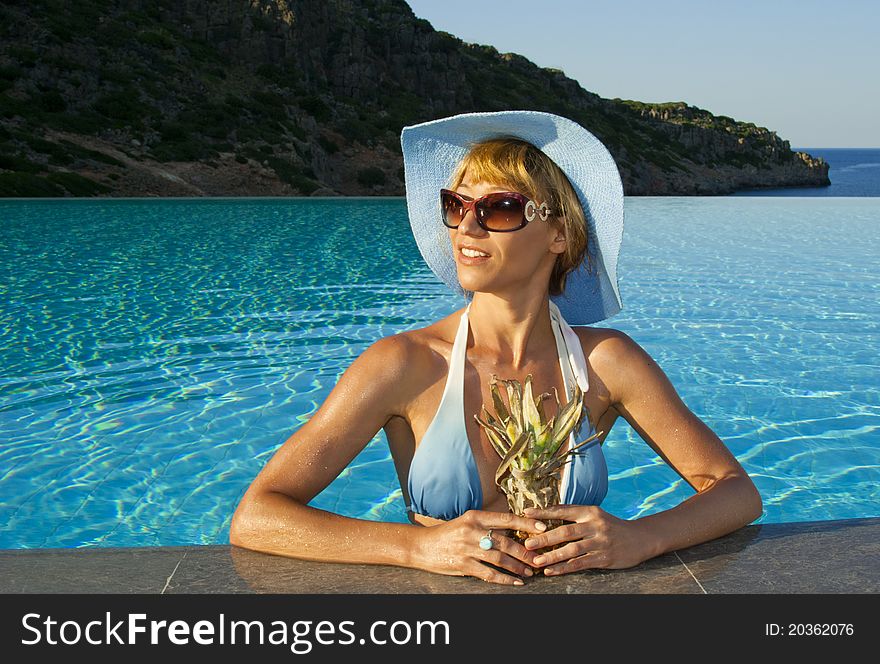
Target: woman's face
x=513, y=260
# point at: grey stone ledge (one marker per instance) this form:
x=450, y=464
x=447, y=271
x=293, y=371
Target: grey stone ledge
x=806, y=557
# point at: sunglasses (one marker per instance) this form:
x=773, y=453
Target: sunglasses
x=499, y=212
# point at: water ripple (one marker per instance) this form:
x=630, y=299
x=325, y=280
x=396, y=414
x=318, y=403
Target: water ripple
x=157, y=353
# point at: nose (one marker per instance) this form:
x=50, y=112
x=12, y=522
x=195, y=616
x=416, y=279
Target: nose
x=470, y=226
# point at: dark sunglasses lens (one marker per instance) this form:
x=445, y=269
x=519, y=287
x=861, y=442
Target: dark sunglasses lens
x=451, y=208
x=501, y=213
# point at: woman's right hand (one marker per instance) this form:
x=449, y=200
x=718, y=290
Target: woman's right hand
x=453, y=547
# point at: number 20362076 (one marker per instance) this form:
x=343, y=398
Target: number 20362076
x=809, y=629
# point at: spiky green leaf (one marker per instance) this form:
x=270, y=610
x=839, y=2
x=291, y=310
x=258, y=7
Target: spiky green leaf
x=518, y=446
x=514, y=400
x=531, y=417
x=500, y=408
x=567, y=419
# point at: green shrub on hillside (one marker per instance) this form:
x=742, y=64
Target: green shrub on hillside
x=18, y=163
x=77, y=185
x=329, y=146
x=9, y=72
x=85, y=153
x=11, y=106
x=51, y=102
x=284, y=74
x=114, y=33
x=155, y=39
x=172, y=132
x=315, y=107
x=23, y=55
x=27, y=185
x=291, y=174
x=371, y=176
x=85, y=122
x=190, y=149
x=123, y=107
x=116, y=74
x=355, y=130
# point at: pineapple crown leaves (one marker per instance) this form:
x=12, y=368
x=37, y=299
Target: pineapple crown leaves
x=567, y=419
x=525, y=410
x=495, y=432
x=528, y=443
x=515, y=450
x=539, y=471
x=514, y=399
x=498, y=402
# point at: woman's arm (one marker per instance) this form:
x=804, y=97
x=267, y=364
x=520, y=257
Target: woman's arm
x=726, y=498
x=273, y=516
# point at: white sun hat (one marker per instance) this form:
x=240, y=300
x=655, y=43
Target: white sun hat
x=431, y=152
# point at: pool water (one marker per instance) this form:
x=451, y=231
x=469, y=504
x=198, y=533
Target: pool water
x=157, y=352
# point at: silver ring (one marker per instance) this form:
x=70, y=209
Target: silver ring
x=486, y=541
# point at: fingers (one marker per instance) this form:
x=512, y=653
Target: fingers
x=505, y=563
x=564, y=512
x=511, y=558
x=590, y=559
x=507, y=520
x=568, y=533
x=502, y=540
x=491, y=575
x=504, y=555
x=563, y=553
x=516, y=550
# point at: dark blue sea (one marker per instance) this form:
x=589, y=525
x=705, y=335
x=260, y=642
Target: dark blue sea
x=853, y=172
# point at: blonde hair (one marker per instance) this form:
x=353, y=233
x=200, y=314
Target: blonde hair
x=512, y=162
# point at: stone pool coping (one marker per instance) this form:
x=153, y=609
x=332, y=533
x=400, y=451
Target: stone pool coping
x=807, y=557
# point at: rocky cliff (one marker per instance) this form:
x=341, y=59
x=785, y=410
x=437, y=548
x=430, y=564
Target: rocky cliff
x=287, y=97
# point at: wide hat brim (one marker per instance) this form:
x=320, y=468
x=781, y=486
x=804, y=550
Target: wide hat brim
x=431, y=152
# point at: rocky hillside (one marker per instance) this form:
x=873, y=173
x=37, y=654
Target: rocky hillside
x=308, y=97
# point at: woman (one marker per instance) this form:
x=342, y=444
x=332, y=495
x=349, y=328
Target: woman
x=528, y=229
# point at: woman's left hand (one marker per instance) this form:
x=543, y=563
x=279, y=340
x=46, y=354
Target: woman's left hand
x=595, y=539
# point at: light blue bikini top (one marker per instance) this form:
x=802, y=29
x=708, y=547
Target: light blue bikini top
x=443, y=479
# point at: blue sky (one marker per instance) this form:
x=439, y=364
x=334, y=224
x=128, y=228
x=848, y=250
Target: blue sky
x=802, y=68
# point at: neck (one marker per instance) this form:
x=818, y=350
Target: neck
x=508, y=330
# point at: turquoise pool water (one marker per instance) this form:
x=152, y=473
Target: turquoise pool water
x=156, y=352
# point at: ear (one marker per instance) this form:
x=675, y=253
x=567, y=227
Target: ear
x=558, y=242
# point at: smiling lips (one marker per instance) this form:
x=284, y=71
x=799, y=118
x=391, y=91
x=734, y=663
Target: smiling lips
x=473, y=252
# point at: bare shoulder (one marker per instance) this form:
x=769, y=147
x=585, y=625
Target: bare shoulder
x=407, y=361
x=441, y=331
x=604, y=344
x=388, y=365
x=614, y=356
